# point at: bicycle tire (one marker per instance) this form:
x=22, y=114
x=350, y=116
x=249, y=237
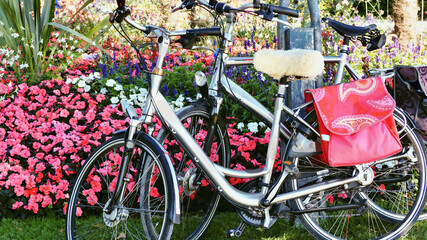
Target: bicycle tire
x=378, y=210
x=94, y=186
x=206, y=195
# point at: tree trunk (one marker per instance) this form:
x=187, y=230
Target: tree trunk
x=405, y=16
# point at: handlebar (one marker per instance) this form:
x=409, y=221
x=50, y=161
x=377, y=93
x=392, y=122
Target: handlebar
x=224, y=8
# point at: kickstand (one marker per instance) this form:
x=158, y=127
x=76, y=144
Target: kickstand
x=236, y=232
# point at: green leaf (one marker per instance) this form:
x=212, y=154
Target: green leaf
x=78, y=35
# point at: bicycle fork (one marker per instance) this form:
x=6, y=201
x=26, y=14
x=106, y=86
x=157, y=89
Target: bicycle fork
x=122, y=179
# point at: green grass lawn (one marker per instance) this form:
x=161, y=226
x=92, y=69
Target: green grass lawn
x=53, y=227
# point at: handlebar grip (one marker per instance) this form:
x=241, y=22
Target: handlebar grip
x=285, y=11
x=216, y=31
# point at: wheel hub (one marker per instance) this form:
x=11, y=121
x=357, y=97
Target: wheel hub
x=189, y=182
x=113, y=218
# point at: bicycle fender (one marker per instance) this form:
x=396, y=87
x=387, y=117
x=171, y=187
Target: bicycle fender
x=174, y=207
x=409, y=120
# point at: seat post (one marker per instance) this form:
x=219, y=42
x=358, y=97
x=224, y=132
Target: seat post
x=343, y=60
x=275, y=132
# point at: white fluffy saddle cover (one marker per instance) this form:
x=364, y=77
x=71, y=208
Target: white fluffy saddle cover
x=295, y=62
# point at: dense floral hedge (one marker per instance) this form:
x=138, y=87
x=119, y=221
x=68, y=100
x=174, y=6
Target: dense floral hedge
x=48, y=130
x=46, y=133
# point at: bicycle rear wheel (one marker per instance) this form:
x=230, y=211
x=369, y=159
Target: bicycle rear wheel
x=199, y=199
x=142, y=212
x=385, y=209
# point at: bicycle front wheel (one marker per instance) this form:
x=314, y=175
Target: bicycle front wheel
x=199, y=200
x=385, y=209
x=141, y=214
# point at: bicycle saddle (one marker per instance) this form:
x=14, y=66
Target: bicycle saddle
x=348, y=30
x=299, y=63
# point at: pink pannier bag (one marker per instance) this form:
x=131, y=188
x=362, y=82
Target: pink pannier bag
x=356, y=122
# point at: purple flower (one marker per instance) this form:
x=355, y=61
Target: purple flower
x=165, y=90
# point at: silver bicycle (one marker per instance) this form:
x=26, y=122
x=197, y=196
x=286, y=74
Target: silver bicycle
x=129, y=188
x=205, y=112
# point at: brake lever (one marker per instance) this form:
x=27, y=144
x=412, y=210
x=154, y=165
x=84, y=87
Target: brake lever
x=119, y=14
x=188, y=4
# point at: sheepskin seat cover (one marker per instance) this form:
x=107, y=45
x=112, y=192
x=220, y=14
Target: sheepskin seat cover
x=295, y=62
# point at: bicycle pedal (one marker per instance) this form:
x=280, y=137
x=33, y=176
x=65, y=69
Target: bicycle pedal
x=236, y=232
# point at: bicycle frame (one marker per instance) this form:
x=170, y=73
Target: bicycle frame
x=156, y=104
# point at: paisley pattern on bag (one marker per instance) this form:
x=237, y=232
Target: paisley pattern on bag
x=361, y=87
x=350, y=107
x=422, y=73
x=354, y=123
x=384, y=104
x=408, y=97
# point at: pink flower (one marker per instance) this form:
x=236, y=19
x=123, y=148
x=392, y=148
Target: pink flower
x=64, y=113
x=67, y=143
x=343, y=195
x=330, y=199
x=40, y=167
x=96, y=184
x=65, y=89
x=47, y=201
x=79, y=211
x=17, y=205
x=90, y=116
x=91, y=198
x=100, y=97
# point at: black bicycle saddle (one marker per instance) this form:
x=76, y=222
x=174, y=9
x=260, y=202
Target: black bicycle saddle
x=348, y=30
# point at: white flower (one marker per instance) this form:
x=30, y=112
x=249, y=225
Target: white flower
x=118, y=87
x=110, y=83
x=253, y=127
x=81, y=83
x=114, y=100
x=86, y=88
x=103, y=91
x=179, y=103
x=22, y=66
x=261, y=124
x=15, y=35
x=69, y=80
x=97, y=75
x=141, y=98
x=240, y=126
x=56, y=34
x=143, y=91
x=77, y=28
x=267, y=130
x=40, y=54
